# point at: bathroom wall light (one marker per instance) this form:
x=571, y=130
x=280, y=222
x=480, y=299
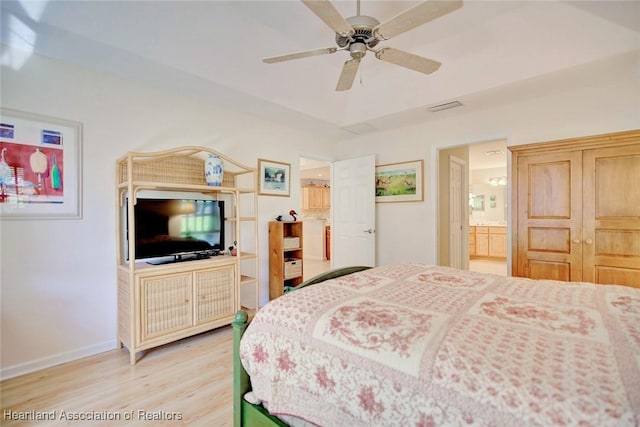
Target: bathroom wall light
x=498, y=180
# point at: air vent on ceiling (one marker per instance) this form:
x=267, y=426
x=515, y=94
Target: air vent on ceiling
x=360, y=128
x=445, y=106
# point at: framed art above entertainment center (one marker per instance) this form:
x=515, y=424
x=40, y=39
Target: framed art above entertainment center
x=176, y=273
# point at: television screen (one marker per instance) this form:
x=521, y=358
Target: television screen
x=174, y=227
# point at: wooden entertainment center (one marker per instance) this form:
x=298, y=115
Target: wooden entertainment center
x=158, y=304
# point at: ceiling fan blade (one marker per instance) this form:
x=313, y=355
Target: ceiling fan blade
x=408, y=60
x=348, y=75
x=299, y=55
x=414, y=17
x=326, y=11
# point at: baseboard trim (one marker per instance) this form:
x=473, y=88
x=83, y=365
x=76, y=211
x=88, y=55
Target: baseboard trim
x=56, y=359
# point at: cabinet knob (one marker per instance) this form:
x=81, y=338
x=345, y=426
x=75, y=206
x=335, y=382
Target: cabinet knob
x=588, y=241
x=576, y=241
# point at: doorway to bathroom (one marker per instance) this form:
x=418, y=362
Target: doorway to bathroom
x=488, y=206
x=473, y=228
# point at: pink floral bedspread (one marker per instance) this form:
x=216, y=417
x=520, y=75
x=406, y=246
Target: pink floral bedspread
x=416, y=345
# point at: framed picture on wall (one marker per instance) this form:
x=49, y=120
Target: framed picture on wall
x=40, y=166
x=274, y=177
x=399, y=182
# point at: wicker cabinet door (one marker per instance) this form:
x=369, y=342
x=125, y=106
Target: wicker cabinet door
x=166, y=304
x=215, y=293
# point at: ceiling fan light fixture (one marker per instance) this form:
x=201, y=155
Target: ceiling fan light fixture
x=357, y=50
x=445, y=106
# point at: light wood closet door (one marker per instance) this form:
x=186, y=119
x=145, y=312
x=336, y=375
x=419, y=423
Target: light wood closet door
x=612, y=215
x=549, y=205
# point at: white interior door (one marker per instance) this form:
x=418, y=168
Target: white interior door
x=353, y=209
x=457, y=252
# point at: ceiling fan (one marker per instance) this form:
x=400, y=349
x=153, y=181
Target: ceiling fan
x=361, y=33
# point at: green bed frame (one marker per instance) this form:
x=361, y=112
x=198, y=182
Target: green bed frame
x=247, y=414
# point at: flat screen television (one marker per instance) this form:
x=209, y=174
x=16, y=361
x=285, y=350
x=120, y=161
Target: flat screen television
x=178, y=228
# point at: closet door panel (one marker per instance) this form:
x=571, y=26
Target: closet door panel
x=549, y=188
x=549, y=270
x=617, y=275
x=612, y=215
x=549, y=222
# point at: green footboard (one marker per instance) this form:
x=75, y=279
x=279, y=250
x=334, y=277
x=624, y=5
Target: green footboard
x=245, y=413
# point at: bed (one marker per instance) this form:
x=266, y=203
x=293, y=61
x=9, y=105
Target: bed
x=412, y=344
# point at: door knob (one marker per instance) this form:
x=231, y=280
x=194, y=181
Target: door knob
x=370, y=231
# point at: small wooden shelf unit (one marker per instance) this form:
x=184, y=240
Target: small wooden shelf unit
x=158, y=304
x=285, y=256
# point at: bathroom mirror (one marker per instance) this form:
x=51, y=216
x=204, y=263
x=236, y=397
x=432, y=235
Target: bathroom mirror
x=477, y=202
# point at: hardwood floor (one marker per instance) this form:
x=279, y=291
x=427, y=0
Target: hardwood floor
x=188, y=382
x=488, y=266
x=314, y=267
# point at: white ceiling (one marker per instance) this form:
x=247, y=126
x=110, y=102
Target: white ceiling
x=491, y=51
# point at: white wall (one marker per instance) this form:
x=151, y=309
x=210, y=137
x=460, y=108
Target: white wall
x=59, y=277
x=408, y=231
